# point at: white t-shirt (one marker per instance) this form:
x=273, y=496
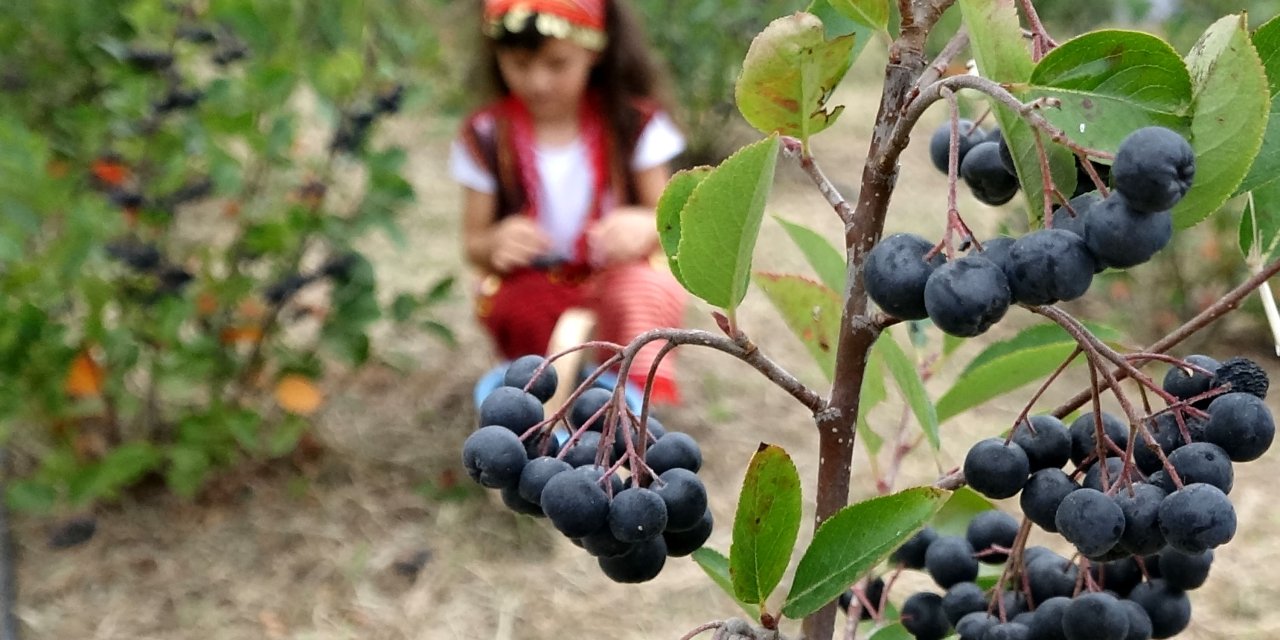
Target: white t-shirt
x=564, y=178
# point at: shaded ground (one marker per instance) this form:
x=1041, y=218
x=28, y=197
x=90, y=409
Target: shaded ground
x=332, y=548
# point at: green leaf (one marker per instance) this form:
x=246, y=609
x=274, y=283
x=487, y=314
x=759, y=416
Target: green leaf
x=811, y=310
x=827, y=261
x=1230, y=113
x=716, y=567
x=188, y=467
x=788, y=75
x=1260, y=224
x=766, y=524
x=894, y=631
x=674, y=197
x=1035, y=336
x=836, y=24
x=1112, y=82
x=954, y=516
x=872, y=13
x=873, y=392
x=1266, y=166
x=852, y=541
x=1001, y=375
x=907, y=377
x=32, y=496
x=720, y=222
x=1002, y=55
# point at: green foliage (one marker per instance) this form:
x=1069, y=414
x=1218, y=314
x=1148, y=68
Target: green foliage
x=853, y=541
x=716, y=566
x=1266, y=167
x=1139, y=82
x=718, y=223
x=811, y=310
x=766, y=524
x=1230, y=106
x=907, y=376
x=183, y=190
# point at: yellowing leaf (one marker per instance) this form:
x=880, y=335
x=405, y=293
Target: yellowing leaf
x=299, y=395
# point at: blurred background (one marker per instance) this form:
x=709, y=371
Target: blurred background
x=236, y=341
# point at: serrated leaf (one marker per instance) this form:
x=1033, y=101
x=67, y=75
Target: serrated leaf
x=1112, y=82
x=852, y=541
x=954, y=516
x=827, y=261
x=1002, y=55
x=1266, y=166
x=788, y=75
x=811, y=310
x=672, y=202
x=836, y=24
x=907, y=376
x=872, y=13
x=766, y=524
x=720, y=222
x=1230, y=113
x=716, y=566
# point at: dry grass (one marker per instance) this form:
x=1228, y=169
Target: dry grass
x=315, y=552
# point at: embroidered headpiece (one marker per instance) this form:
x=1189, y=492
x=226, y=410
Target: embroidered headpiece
x=582, y=21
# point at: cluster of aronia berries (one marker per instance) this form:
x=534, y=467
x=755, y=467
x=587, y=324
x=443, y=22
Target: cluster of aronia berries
x=1051, y=598
x=630, y=524
x=910, y=277
x=1144, y=522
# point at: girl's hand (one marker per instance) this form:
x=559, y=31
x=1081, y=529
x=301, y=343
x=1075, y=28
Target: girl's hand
x=515, y=242
x=624, y=235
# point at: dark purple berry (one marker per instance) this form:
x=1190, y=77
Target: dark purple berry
x=895, y=273
x=1154, y=167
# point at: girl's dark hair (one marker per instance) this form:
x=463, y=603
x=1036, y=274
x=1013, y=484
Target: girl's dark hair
x=627, y=70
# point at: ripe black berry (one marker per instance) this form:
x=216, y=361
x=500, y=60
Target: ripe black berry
x=1045, y=440
x=940, y=143
x=966, y=296
x=1084, y=442
x=962, y=599
x=576, y=504
x=583, y=452
x=642, y=563
x=1047, y=624
x=1008, y=631
x=950, y=560
x=587, y=405
x=511, y=408
x=1120, y=237
x=1168, y=608
x=1043, y=493
x=1048, y=266
x=1185, y=571
x=996, y=470
x=494, y=457
x=1197, y=517
x=997, y=250
x=512, y=499
x=895, y=274
x=1203, y=462
x=520, y=372
x=685, y=496
x=912, y=552
x=1118, y=576
x=986, y=176
x=675, y=450
x=1167, y=435
x=975, y=625
x=1140, y=503
x=1081, y=205
x=1241, y=424
x=1186, y=383
x=1139, y=621
x=637, y=514
x=683, y=543
x=923, y=617
x=1095, y=616
x=1094, y=479
x=992, y=528
x=1051, y=577
x=603, y=544
x=1154, y=167
x=1090, y=520
x=536, y=474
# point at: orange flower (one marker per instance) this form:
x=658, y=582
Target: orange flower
x=298, y=394
x=84, y=377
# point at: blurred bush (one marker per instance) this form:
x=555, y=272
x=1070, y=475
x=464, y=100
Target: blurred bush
x=183, y=186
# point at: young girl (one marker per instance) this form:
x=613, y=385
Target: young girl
x=561, y=173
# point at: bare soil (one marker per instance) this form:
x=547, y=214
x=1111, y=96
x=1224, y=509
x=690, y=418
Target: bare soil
x=377, y=538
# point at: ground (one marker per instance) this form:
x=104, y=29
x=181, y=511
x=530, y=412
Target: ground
x=367, y=539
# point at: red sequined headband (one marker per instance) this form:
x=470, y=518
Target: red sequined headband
x=582, y=21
